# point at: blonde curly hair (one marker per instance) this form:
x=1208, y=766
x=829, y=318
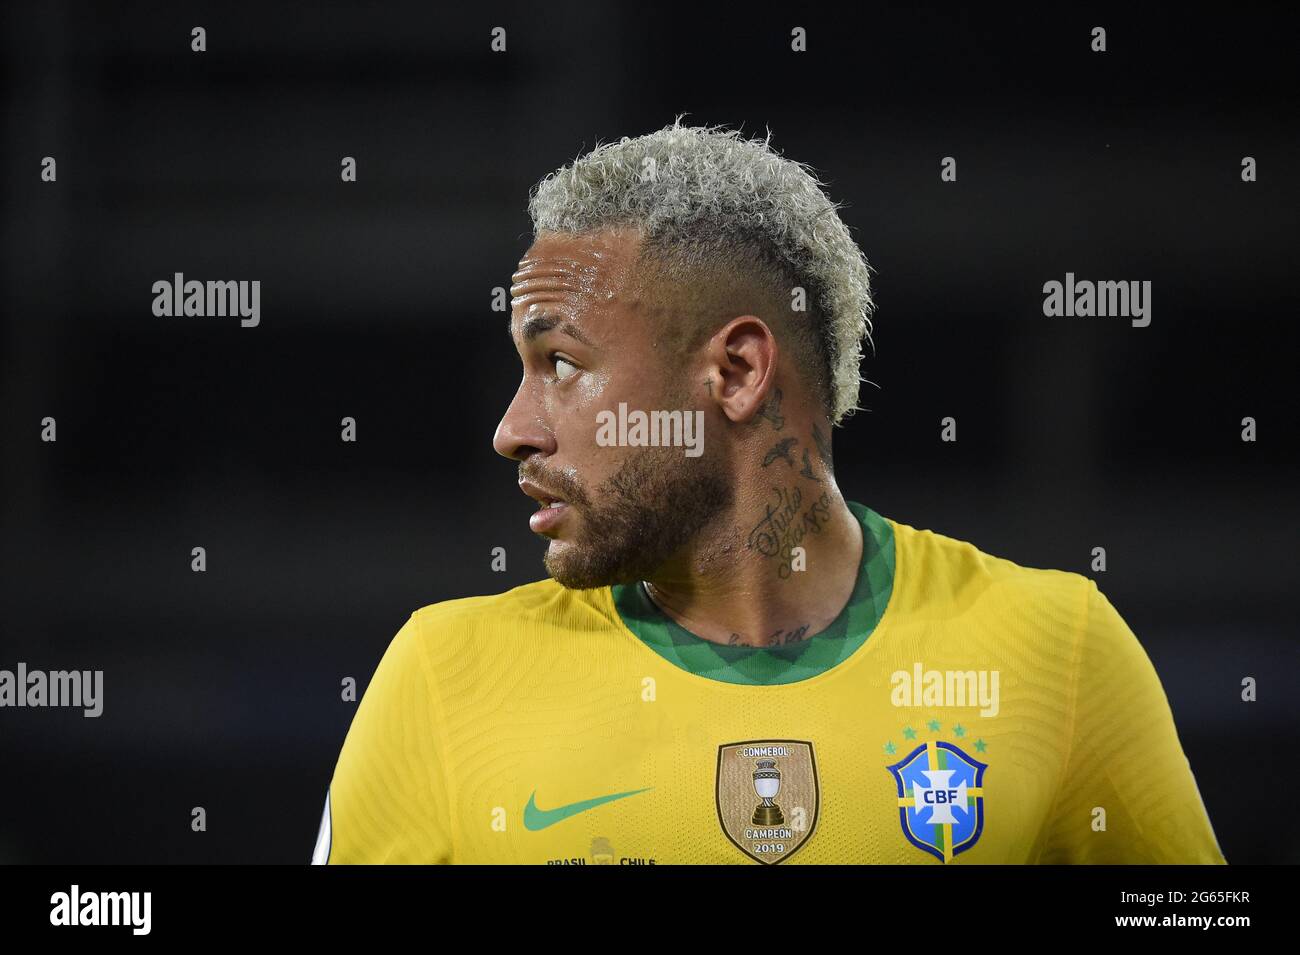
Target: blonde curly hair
x=714, y=189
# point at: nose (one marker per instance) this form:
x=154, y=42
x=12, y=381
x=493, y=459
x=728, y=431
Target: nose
x=523, y=430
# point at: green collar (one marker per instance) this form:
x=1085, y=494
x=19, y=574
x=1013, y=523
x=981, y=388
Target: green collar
x=790, y=663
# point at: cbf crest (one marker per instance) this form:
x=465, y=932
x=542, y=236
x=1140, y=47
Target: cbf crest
x=768, y=796
x=940, y=798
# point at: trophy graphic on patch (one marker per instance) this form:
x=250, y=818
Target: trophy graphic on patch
x=767, y=783
x=767, y=833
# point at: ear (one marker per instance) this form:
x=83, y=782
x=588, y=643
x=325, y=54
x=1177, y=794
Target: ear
x=740, y=360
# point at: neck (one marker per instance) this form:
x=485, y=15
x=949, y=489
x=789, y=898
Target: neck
x=776, y=567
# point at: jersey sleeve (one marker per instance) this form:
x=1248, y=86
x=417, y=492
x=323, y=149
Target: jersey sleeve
x=388, y=798
x=1127, y=794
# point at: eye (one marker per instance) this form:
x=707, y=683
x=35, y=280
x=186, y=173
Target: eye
x=563, y=367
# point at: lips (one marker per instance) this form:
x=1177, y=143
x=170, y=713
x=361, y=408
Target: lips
x=541, y=495
x=551, y=511
x=546, y=519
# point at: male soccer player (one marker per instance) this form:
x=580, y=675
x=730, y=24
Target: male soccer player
x=731, y=663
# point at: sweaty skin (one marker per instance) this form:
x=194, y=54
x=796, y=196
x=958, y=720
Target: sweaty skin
x=710, y=536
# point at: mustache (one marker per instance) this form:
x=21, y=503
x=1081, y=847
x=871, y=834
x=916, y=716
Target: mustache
x=562, y=485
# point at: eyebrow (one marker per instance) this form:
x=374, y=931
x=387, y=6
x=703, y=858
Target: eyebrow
x=540, y=324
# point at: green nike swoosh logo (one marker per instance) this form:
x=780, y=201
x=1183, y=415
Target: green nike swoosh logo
x=535, y=819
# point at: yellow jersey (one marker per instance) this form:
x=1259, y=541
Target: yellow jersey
x=961, y=709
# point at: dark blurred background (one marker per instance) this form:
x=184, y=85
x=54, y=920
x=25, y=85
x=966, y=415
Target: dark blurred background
x=222, y=688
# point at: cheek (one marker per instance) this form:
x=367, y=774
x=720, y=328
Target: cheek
x=574, y=419
x=574, y=414
x=592, y=388
x=580, y=400
x=576, y=425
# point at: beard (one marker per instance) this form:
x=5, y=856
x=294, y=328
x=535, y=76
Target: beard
x=649, y=510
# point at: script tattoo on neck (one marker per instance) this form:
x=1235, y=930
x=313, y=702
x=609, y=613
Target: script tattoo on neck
x=788, y=636
x=784, y=524
x=779, y=638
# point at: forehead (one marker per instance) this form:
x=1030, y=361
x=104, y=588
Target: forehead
x=571, y=273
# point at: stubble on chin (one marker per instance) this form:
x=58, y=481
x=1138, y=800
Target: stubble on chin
x=638, y=520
